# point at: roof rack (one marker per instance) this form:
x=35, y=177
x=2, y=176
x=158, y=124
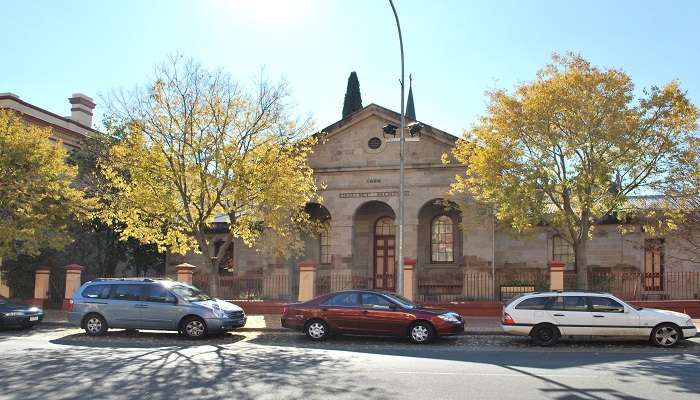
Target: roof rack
x=578, y=290
x=129, y=279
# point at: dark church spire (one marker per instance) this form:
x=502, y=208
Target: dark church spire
x=410, y=108
x=353, y=99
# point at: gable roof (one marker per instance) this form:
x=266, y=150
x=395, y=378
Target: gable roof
x=375, y=109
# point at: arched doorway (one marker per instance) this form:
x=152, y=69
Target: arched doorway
x=374, y=243
x=384, y=253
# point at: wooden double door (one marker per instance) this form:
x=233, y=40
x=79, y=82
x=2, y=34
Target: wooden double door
x=384, y=254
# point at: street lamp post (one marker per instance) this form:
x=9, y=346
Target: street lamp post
x=399, y=262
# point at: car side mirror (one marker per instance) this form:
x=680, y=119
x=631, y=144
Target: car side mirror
x=393, y=307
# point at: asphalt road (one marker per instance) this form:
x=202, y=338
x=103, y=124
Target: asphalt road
x=60, y=363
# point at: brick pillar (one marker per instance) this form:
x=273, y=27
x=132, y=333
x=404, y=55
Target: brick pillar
x=73, y=272
x=184, y=273
x=408, y=281
x=307, y=280
x=41, y=286
x=556, y=275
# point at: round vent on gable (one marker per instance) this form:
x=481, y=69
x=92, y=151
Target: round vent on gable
x=374, y=143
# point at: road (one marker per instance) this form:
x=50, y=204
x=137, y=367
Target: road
x=62, y=363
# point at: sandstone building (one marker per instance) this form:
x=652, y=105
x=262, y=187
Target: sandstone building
x=454, y=248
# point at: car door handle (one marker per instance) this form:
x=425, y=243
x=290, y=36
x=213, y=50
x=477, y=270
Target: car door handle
x=599, y=316
x=141, y=306
x=559, y=315
x=365, y=312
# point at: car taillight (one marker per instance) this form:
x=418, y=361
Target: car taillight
x=284, y=311
x=507, y=319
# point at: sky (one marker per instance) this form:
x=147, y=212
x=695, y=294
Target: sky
x=455, y=50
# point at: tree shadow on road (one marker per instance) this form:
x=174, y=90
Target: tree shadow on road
x=624, y=359
x=165, y=367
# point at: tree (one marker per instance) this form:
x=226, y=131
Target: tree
x=570, y=148
x=353, y=99
x=198, y=146
x=37, y=199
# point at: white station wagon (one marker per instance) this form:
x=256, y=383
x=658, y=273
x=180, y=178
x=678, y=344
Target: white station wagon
x=547, y=316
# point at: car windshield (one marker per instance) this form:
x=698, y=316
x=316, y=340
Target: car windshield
x=403, y=302
x=189, y=293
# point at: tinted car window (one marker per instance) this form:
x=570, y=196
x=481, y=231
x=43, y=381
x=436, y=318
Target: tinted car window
x=159, y=294
x=373, y=300
x=96, y=292
x=575, y=303
x=569, y=303
x=128, y=292
x=344, y=300
x=606, y=304
x=533, y=303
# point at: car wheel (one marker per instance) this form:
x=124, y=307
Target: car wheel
x=421, y=333
x=545, y=335
x=317, y=330
x=194, y=328
x=95, y=325
x=666, y=335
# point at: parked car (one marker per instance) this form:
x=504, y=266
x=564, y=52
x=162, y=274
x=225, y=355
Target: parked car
x=152, y=304
x=547, y=316
x=13, y=315
x=370, y=312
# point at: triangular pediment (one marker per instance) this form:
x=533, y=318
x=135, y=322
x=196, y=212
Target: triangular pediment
x=351, y=142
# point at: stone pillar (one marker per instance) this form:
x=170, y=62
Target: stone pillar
x=341, y=242
x=408, y=281
x=184, y=272
x=41, y=286
x=4, y=289
x=556, y=275
x=73, y=272
x=307, y=280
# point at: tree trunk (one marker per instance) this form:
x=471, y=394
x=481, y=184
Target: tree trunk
x=581, y=256
x=214, y=280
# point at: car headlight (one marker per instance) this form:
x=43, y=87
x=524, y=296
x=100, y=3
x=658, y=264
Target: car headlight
x=14, y=314
x=449, y=317
x=689, y=322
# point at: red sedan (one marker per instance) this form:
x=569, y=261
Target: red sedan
x=371, y=312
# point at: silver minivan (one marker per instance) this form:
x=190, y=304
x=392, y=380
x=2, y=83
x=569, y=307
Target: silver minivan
x=151, y=304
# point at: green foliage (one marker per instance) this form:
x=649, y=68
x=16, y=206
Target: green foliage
x=353, y=98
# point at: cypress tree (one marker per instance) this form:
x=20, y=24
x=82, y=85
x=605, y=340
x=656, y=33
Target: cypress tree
x=353, y=99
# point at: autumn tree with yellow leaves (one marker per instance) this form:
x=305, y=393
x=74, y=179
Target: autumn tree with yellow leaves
x=197, y=146
x=570, y=148
x=38, y=202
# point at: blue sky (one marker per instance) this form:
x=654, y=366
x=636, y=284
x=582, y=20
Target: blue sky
x=455, y=50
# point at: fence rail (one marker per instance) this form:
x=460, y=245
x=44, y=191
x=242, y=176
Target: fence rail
x=443, y=286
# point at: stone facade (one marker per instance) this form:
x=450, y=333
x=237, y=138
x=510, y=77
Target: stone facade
x=358, y=170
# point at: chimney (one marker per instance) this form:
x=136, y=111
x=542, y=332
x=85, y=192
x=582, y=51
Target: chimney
x=81, y=109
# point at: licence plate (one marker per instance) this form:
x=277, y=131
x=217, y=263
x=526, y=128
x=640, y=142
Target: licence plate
x=35, y=318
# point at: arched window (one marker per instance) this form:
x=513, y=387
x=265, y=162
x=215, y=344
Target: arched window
x=324, y=243
x=385, y=227
x=442, y=240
